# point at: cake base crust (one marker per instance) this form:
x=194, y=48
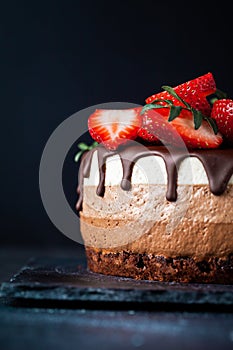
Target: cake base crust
x=160, y=268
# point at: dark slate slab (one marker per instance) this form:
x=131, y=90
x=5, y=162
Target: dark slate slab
x=66, y=283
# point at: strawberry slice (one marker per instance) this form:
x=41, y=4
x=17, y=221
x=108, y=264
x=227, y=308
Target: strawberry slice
x=179, y=131
x=194, y=92
x=204, y=137
x=156, y=129
x=222, y=112
x=114, y=127
x=146, y=131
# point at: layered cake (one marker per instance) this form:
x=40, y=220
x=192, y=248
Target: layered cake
x=156, y=196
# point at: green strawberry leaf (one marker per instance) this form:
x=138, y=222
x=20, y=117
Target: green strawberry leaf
x=174, y=112
x=83, y=146
x=150, y=106
x=198, y=117
x=146, y=108
x=95, y=144
x=172, y=92
x=77, y=156
x=157, y=100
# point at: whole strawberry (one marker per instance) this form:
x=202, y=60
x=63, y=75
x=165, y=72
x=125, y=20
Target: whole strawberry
x=222, y=112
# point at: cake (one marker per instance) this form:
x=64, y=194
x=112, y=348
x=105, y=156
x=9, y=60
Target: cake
x=156, y=208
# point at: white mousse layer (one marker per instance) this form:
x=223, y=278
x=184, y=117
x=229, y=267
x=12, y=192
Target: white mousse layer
x=149, y=170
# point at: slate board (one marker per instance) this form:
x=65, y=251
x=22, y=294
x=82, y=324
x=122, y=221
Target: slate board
x=67, y=283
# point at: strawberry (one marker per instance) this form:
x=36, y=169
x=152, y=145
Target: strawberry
x=203, y=137
x=114, y=127
x=155, y=129
x=193, y=91
x=222, y=112
x=179, y=131
x=146, y=132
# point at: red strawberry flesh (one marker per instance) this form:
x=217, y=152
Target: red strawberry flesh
x=156, y=127
x=194, y=92
x=180, y=131
x=114, y=127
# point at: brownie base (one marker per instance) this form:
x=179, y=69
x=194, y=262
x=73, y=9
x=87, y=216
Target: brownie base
x=159, y=268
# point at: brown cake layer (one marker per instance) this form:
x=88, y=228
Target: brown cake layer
x=159, y=268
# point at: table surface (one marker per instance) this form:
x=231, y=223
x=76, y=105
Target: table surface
x=85, y=328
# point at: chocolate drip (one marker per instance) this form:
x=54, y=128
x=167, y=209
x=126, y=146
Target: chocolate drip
x=84, y=171
x=102, y=171
x=218, y=164
x=218, y=167
x=172, y=175
x=127, y=167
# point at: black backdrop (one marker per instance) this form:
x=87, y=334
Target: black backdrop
x=61, y=56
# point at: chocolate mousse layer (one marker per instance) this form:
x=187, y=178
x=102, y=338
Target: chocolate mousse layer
x=199, y=224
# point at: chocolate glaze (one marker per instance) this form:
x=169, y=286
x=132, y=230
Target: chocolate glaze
x=218, y=164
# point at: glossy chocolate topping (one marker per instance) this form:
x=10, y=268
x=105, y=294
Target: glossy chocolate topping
x=218, y=165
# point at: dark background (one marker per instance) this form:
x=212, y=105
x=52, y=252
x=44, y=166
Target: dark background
x=59, y=57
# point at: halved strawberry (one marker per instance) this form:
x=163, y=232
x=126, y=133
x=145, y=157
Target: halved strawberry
x=222, y=112
x=179, y=131
x=156, y=129
x=194, y=92
x=204, y=137
x=146, y=131
x=114, y=127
